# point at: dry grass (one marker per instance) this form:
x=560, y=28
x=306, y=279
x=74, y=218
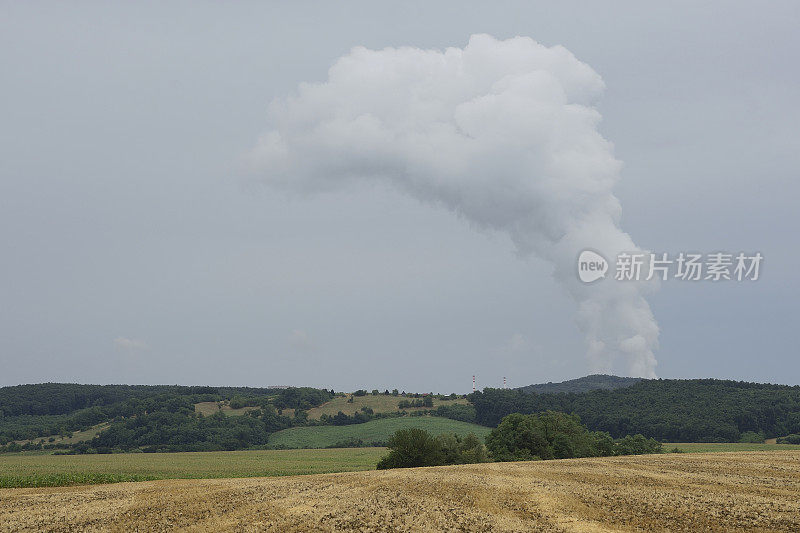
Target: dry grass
x=749, y=491
x=379, y=404
x=77, y=436
x=209, y=408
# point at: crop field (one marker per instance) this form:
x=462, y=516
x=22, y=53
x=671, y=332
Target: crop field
x=55, y=470
x=373, y=431
x=705, y=447
x=379, y=403
x=740, y=491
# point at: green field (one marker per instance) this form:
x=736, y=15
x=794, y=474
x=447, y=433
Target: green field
x=373, y=431
x=40, y=470
x=56, y=470
x=703, y=447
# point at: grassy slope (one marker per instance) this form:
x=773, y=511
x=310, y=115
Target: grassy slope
x=372, y=431
x=209, y=408
x=77, y=436
x=52, y=470
x=379, y=404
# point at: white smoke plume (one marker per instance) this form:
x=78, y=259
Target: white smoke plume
x=502, y=133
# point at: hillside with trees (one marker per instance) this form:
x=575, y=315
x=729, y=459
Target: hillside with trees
x=694, y=410
x=584, y=384
x=139, y=415
x=112, y=418
x=116, y=418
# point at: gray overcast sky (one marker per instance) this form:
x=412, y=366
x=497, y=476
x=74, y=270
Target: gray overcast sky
x=132, y=250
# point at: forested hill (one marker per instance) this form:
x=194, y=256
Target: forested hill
x=584, y=384
x=694, y=410
x=161, y=413
x=65, y=398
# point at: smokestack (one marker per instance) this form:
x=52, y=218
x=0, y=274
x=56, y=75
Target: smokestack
x=473, y=383
x=504, y=382
x=501, y=133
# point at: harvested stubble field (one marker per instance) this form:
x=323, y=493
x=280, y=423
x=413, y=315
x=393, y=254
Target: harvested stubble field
x=754, y=491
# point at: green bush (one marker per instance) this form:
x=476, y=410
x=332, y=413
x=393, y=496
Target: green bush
x=636, y=445
x=417, y=447
x=549, y=435
x=412, y=447
x=752, y=436
x=464, y=413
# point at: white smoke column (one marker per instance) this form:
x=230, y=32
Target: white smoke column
x=504, y=134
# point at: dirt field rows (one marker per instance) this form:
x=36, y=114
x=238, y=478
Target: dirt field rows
x=755, y=491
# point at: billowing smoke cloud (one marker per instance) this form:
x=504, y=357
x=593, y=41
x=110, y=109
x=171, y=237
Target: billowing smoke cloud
x=504, y=134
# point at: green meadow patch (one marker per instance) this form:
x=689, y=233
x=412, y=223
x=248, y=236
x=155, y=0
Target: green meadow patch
x=704, y=447
x=368, y=433
x=60, y=470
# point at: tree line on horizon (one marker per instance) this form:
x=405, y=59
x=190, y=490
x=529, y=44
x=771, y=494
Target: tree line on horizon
x=693, y=410
x=163, y=418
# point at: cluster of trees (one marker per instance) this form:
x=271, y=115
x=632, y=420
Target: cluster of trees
x=697, y=410
x=416, y=447
x=365, y=414
x=185, y=430
x=376, y=392
x=555, y=435
x=462, y=412
x=550, y=435
x=425, y=401
x=301, y=398
x=752, y=436
x=789, y=439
